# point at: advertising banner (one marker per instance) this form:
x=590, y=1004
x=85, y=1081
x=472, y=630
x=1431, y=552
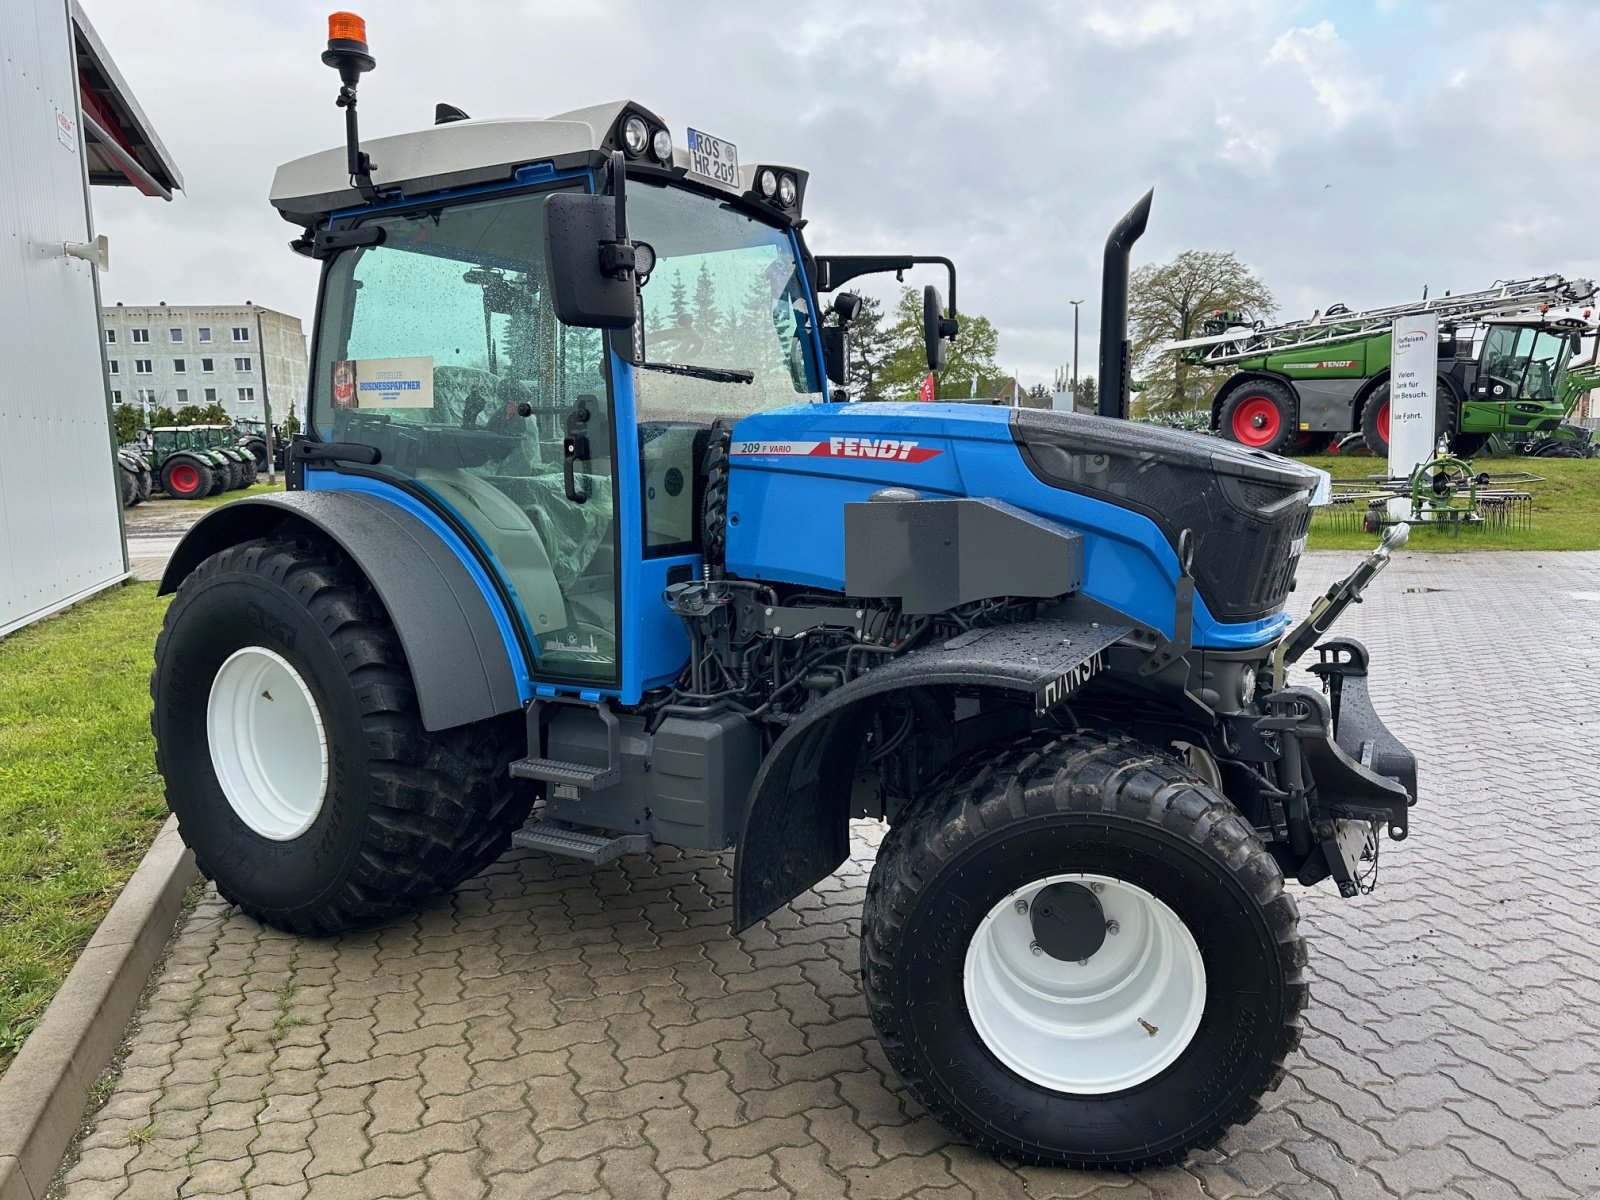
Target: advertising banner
x=1413, y=378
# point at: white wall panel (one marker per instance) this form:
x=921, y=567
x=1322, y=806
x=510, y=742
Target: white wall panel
x=60, y=507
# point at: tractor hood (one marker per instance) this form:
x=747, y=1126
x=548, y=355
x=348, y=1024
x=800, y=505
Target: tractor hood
x=1247, y=511
x=1130, y=489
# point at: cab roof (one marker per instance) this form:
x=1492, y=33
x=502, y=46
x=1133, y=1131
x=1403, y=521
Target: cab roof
x=465, y=153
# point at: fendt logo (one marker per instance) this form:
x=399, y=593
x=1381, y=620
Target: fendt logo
x=882, y=449
x=849, y=447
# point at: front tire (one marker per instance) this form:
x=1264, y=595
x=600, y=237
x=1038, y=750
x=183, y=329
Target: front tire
x=288, y=733
x=1108, y=1063
x=1262, y=414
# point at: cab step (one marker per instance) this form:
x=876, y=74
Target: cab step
x=578, y=775
x=576, y=843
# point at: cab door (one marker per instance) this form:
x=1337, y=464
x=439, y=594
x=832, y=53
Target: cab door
x=438, y=346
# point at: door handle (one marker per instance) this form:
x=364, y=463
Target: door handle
x=575, y=446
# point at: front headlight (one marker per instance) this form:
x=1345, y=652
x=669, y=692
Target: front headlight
x=661, y=146
x=767, y=181
x=788, y=191
x=635, y=135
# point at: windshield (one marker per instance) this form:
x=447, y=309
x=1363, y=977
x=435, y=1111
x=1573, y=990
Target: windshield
x=1530, y=359
x=725, y=293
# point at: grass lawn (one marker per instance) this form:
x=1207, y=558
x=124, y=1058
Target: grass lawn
x=80, y=800
x=255, y=489
x=1566, y=508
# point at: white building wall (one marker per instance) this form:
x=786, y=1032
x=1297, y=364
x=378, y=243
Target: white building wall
x=273, y=345
x=60, y=504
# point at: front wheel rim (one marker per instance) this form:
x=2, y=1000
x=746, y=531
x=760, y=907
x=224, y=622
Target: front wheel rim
x=1110, y=1022
x=1256, y=421
x=268, y=745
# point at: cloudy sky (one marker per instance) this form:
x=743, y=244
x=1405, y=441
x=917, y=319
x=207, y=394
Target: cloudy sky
x=1347, y=151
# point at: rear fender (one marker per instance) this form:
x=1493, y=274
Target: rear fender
x=797, y=822
x=456, y=637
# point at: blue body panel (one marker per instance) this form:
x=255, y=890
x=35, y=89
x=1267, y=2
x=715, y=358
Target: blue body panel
x=795, y=468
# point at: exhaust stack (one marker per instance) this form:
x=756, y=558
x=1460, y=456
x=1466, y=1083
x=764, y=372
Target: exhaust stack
x=1114, y=365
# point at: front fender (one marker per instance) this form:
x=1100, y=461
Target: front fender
x=797, y=821
x=459, y=658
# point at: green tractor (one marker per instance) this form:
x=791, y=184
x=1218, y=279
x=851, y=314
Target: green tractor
x=1568, y=439
x=1503, y=357
x=184, y=465
x=251, y=434
x=134, y=475
x=225, y=440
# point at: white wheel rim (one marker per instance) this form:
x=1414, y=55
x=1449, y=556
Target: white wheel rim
x=268, y=745
x=1113, y=1021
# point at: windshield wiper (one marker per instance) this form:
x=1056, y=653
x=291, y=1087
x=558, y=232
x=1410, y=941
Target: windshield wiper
x=714, y=374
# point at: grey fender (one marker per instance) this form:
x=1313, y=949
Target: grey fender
x=446, y=625
x=797, y=821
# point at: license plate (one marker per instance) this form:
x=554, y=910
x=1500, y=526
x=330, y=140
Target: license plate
x=713, y=158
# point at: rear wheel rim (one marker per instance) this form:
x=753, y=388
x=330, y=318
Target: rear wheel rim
x=185, y=478
x=1383, y=421
x=1109, y=1022
x=268, y=745
x=1256, y=421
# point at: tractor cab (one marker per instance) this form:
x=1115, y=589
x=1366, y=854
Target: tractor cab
x=562, y=451
x=1518, y=382
x=1525, y=357
x=527, y=330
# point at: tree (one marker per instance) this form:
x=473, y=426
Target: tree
x=679, y=300
x=971, y=355
x=1169, y=302
x=291, y=425
x=1038, y=397
x=871, y=343
x=705, y=303
x=127, y=420
x=1088, y=398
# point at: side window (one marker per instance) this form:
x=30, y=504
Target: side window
x=439, y=347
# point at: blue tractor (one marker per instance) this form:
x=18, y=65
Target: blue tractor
x=584, y=550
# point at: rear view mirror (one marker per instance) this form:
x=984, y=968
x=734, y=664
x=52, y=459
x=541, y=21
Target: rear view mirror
x=933, y=327
x=575, y=226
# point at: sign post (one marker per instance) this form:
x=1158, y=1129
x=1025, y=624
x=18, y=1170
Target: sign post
x=1413, y=407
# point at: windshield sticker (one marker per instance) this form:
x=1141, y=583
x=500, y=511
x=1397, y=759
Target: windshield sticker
x=883, y=449
x=383, y=382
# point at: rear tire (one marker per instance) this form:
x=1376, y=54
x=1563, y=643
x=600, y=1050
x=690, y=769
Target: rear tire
x=247, y=472
x=288, y=733
x=939, y=907
x=185, y=478
x=130, y=486
x=219, y=480
x=1261, y=414
x=1375, y=420
x=146, y=481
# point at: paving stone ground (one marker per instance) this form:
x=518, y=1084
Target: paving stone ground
x=560, y=1030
